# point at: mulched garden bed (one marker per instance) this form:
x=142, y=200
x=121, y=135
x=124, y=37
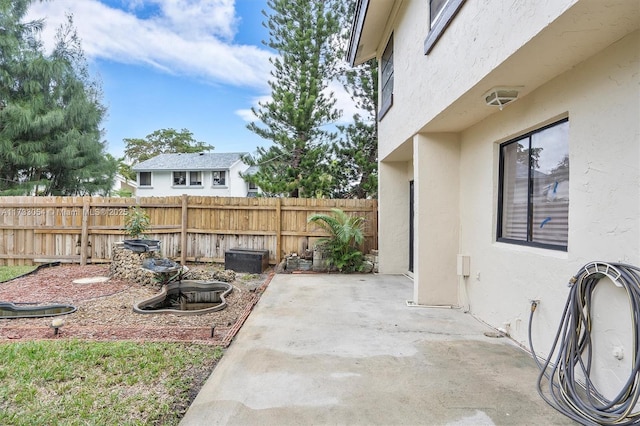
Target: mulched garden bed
x=104, y=309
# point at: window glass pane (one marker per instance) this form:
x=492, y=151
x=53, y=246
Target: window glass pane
x=515, y=190
x=194, y=178
x=435, y=9
x=145, y=178
x=218, y=177
x=179, y=178
x=550, y=194
x=534, y=188
x=387, y=75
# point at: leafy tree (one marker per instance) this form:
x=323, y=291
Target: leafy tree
x=164, y=141
x=296, y=164
x=49, y=123
x=528, y=156
x=126, y=169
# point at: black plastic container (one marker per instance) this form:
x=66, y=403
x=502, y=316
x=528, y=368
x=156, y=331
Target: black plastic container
x=246, y=260
x=141, y=246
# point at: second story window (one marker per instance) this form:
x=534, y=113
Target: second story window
x=144, y=178
x=386, y=78
x=195, y=178
x=219, y=178
x=435, y=7
x=179, y=178
x=441, y=13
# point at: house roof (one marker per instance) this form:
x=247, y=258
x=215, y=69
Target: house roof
x=367, y=29
x=194, y=161
x=251, y=170
x=122, y=179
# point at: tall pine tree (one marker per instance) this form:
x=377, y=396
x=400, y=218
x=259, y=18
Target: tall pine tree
x=18, y=42
x=51, y=112
x=297, y=163
x=357, y=149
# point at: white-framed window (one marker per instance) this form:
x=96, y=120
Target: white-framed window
x=441, y=13
x=144, y=178
x=386, y=78
x=179, y=178
x=533, y=195
x=195, y=178
x=252, y=189
x=219, y=178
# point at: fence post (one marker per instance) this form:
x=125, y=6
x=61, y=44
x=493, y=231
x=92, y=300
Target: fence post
x=278, y=229
x=84, y=234
x=183, y=230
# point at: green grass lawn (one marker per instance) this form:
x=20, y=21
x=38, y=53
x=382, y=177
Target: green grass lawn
x=9, y=272
x=100, y=383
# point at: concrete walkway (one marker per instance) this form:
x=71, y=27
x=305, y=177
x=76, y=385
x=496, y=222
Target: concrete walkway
x=346, y=349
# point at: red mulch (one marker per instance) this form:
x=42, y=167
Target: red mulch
x=105, y=310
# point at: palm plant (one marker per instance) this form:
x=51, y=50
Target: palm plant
x=346, y=234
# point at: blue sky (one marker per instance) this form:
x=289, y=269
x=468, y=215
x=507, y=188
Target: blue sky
x=184, y=64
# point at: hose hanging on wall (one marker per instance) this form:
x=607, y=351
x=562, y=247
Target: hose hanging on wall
x=582, y=402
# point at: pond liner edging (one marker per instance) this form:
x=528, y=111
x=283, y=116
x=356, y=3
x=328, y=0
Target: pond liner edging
x=224, y=290
x=38, y=311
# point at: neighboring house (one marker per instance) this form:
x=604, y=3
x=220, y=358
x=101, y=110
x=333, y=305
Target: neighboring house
x=123, y=186
x=213, y=174
x=252, y=188
x=509, y=133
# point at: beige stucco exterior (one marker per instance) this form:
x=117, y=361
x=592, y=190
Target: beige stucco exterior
x=575, y=59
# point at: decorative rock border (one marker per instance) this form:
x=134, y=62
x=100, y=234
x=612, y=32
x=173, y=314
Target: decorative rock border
x=316, y=262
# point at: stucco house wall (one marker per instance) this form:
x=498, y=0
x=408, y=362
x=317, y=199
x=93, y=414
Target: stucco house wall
x=598, y=96
x=570, y=59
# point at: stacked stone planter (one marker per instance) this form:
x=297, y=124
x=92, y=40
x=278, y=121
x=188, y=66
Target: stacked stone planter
x=127, y=265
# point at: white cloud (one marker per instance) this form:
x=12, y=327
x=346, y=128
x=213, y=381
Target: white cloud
x=199, y=17
x=344, y=102
x=248, y=115
x=185, y=37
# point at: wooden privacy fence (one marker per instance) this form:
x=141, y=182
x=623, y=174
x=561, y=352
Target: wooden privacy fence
x=84, y=229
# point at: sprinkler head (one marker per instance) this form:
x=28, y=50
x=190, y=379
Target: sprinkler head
x=56, y=323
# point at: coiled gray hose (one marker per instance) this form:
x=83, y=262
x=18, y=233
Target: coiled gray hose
x=581, y=401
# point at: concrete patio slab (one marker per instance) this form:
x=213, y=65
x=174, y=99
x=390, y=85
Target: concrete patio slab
x=346, y=349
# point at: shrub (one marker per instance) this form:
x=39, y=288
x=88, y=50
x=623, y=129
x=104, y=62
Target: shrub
x=346, y=235
x=136, y=222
